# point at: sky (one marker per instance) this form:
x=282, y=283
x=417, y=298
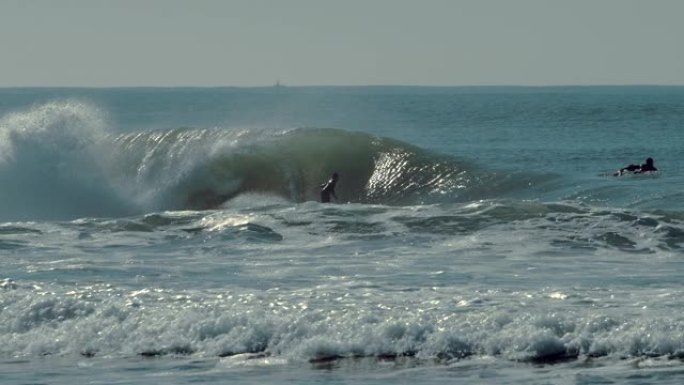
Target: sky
x=103, y=43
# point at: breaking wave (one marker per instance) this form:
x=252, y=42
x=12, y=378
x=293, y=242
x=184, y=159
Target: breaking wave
x=58, y=161
x=105, y=321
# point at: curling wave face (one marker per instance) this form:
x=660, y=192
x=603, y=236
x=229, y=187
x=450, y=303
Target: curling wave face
x=60, y=163
x=203, y=168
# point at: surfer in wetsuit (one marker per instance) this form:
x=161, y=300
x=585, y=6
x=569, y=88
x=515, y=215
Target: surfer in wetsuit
x=328, y=189
x=637, y=169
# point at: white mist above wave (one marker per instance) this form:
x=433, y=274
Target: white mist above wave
x=52, y=159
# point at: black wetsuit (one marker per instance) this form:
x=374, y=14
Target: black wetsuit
x=327, y=190
x=636, y=169
x=646, y=168
x=631, y=168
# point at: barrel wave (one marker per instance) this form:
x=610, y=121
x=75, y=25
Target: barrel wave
x=61, y=162
x=202, y=168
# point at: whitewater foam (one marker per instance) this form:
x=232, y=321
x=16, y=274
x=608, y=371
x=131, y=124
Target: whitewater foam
x=304, y=325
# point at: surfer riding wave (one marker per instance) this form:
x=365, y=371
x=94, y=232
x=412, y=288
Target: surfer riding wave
x=328, y=188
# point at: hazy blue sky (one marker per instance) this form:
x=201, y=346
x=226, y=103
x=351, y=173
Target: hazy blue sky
x=345, y=42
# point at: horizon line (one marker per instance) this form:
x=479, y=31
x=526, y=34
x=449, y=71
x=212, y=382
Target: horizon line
x=283, y=85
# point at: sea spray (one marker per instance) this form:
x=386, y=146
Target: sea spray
x=53, y=162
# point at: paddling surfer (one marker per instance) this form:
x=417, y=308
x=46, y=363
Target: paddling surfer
x=637, y=169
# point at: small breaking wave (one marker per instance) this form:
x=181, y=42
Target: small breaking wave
x=101, y=320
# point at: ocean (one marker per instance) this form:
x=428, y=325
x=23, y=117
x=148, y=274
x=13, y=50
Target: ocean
x=175, y=235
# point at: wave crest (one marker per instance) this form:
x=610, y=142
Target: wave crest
x=60, y=162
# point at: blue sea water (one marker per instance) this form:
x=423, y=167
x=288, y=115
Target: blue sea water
x=174, y=235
